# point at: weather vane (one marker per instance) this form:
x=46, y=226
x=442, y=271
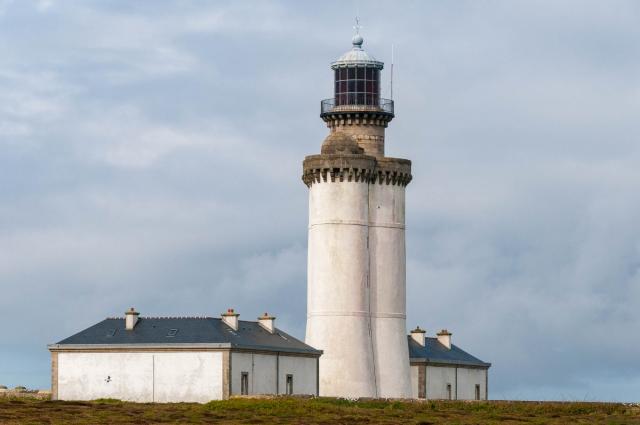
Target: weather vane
x=357, y=26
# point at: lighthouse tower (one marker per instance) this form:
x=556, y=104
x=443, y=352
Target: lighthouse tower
x=356, y=308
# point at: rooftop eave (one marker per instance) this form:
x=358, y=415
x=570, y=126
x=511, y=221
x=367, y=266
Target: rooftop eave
x=179, y=346
x=163, y=346
x=277, y=349
x=449, y=362
x=355, y=63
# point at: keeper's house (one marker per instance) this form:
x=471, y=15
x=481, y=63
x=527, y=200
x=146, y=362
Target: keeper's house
x=441, y=370
x=185, y=359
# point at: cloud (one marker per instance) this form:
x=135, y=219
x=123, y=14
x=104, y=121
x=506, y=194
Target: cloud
x=4, y=5
x=30, y=97
x=44, y=5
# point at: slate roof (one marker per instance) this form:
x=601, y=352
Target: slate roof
x=434, y=352
x=184, y=331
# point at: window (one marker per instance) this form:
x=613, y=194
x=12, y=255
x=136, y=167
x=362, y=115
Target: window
x=422, y=379
x=289, y=384
x=357, y=86
x=244, y=383
x=449, y=391
x=477, y=391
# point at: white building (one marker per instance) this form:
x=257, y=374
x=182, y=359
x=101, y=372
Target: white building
x=441, y=370
x=183, y=359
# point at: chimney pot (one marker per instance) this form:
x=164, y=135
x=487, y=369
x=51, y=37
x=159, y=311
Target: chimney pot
x=266, y=321
x=230, y=318
x=130, y=318
x=418, y=335
x=444, y=338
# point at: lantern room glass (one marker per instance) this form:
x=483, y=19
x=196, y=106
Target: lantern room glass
x=357, y=85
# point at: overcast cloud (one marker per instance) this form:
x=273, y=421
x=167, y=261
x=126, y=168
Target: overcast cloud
x=150, y=156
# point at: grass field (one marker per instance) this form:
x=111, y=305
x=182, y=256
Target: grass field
x=315, y=411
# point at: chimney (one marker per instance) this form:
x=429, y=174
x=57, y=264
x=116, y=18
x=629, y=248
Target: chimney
x=230, y=318
x=266, y=322
x=130, y=318
x=418, y=335
x=444, y=338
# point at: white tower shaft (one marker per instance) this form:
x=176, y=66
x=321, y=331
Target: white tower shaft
x=356, y=273
x=339, y=294
x=387, y=271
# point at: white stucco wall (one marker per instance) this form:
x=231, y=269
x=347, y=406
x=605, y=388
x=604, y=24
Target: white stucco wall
x=439, y=376
x=141, y=377
x=261, y=369
x=467, y=381
x=263, y=372
x=304, y=374
x=437, y=379
x=414, y=382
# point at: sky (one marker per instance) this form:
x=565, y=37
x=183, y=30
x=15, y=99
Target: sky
x=151, y=156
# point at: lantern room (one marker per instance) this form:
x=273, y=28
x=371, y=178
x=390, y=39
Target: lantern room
x=357, y=83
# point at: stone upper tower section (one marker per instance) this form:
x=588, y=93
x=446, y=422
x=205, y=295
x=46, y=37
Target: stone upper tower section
x=357, y=117
x=357, y=108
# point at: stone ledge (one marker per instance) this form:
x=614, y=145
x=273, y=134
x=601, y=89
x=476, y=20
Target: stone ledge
x=357, y=168
x=337, y=119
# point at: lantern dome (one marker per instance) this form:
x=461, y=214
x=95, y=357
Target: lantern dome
x=357, y=56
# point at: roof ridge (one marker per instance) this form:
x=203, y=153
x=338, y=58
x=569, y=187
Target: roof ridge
x=165, y=317
x=177, y=317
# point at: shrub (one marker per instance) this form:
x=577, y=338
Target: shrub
x=108, y=401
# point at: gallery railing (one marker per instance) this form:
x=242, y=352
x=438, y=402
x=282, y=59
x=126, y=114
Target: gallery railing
x=356, y=102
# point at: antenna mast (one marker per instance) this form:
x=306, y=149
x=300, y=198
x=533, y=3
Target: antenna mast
x=391, y=89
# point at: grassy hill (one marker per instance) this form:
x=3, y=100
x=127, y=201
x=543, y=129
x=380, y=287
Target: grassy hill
x=315, y=411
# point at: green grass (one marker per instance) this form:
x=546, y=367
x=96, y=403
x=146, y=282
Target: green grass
x=284, y=410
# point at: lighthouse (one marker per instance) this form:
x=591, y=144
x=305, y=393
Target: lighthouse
x=356, y=306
